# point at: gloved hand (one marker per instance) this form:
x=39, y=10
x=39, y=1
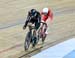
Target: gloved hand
x=24, y=27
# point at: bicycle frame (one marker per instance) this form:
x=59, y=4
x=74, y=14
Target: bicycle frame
x=30, y=38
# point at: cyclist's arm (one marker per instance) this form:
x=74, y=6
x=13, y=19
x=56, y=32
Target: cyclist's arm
x=26, y=24
x=50, y=14
x=27, y=20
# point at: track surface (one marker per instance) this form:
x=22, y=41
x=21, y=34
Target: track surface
x=12, y=17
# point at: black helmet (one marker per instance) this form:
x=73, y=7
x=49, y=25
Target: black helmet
x=33, y=12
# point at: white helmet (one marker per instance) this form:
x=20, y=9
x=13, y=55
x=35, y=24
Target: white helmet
x=45, y=10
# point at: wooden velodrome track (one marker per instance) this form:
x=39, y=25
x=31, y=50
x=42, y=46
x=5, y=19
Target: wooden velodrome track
x=13, y=14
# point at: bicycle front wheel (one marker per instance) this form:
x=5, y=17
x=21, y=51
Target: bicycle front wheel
x=27, y=41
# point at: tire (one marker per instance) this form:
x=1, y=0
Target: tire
x=27, y=41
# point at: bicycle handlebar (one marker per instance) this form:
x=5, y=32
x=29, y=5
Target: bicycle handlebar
x=33, y=27
x=44, y=23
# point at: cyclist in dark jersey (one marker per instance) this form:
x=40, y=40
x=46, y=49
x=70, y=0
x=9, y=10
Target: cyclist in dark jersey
x=33, y=17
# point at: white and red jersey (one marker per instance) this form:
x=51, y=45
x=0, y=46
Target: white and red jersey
x=49, y=15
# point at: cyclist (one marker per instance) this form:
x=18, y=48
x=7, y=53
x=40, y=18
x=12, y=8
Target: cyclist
x=45, y=14
x=33, y=17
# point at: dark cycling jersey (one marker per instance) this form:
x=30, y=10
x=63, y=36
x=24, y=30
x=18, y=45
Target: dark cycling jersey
x=34, y=18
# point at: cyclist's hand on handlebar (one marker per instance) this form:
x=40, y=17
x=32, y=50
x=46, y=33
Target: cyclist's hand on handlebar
x=24, y=27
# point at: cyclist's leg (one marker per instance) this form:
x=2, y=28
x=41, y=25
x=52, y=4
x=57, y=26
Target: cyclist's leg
x=44, y=34
x=35, y=39
x=45, y=29
x=37, y=25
